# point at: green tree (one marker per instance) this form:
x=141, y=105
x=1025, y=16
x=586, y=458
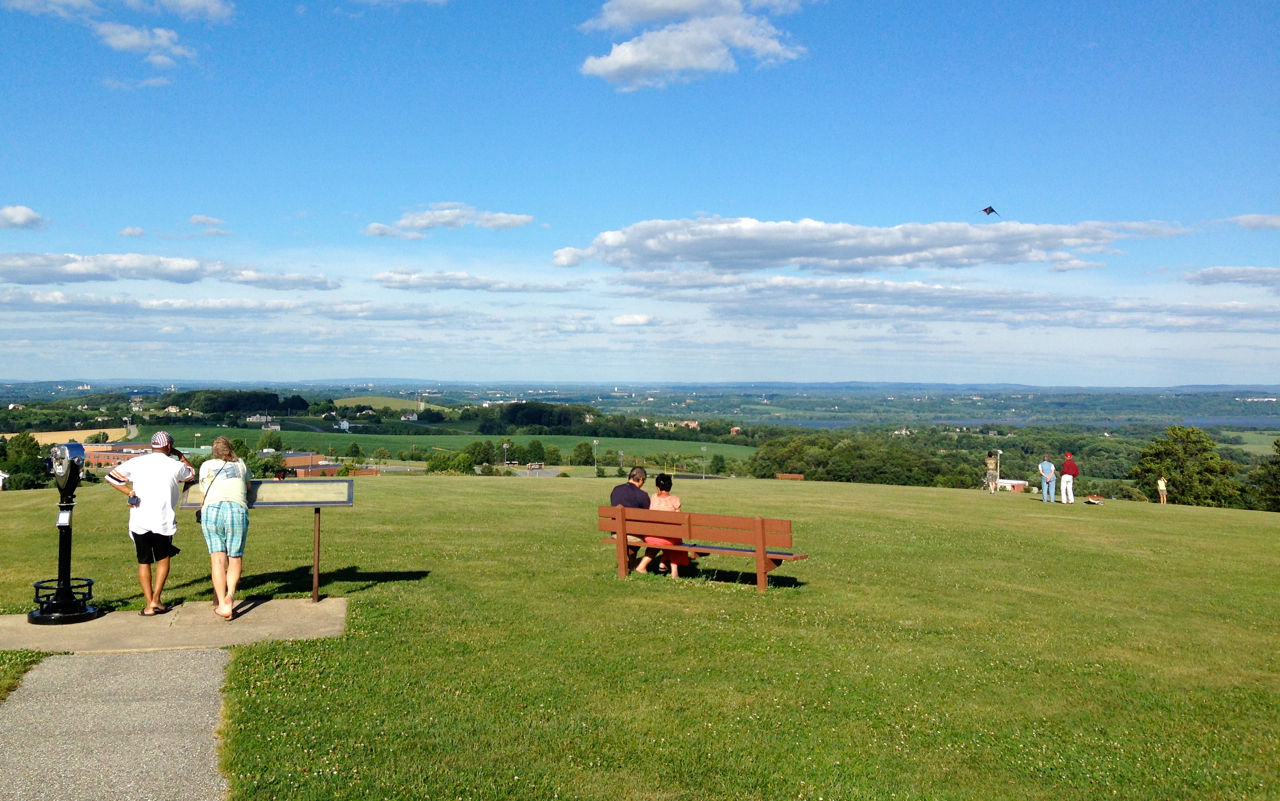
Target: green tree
x=717, y=466
x=553, y=455
x=1265, y=481
x=582, y=454
x=354, y=450
x=24, y=446
x=382, y=454
x=240, y=447
x=1189, y=459
x=270, y=440
x=535, y=451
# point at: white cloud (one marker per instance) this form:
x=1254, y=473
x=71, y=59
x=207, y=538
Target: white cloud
x=745, y=244
x=703, y=38
x=381, y=229
x=146, y=83
x=132, y=230
x=160, y=44
x=211, y=10
x=1268, y=277
x=446, y=215
x=1258, y=221
x=285, y=281
x=789, y=301
x=442, y=281
x=20, y=217
x=202, y=219
x=632, y=319
x=60, y=268
x=65, y=268
x=58, y=8
x=394, y=3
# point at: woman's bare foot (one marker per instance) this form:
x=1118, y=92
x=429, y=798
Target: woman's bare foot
x=224, y=612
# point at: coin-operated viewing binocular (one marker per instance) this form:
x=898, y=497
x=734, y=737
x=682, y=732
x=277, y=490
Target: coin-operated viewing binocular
x=66, y=462
x=64, y=599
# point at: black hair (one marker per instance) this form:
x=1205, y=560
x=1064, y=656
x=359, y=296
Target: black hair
x=663, y=482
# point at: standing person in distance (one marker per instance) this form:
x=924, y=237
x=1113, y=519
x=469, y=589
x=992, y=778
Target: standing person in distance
x=1048, y=480
x=993, y=474
x=152, y=481
x=224, y=480
x=1069, y=472
x=1162, y=487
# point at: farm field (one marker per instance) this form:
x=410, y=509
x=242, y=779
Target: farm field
x=321, y=441
x=937, y=644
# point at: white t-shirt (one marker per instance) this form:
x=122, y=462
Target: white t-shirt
x=156, y=479
x=231, y=484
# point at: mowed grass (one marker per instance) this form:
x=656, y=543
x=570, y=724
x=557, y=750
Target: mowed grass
x=937, y=644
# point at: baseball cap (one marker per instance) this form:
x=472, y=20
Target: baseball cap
x=161, y=439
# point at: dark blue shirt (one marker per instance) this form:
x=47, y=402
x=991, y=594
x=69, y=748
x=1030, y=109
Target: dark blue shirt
x=630, y=496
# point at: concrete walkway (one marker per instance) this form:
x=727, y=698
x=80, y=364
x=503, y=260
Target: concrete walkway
x=133, y=712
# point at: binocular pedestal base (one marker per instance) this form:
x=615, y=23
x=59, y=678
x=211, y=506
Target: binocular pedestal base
x=63, y=601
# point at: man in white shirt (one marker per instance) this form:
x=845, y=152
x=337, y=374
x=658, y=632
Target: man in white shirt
x=156, y=478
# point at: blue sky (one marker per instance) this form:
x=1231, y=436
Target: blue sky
x=641, y=190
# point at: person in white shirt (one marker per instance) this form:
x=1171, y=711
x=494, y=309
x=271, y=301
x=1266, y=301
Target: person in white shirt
x=152, y=482
x=224, y=480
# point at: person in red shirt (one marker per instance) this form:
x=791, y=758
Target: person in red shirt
x=1069, y=472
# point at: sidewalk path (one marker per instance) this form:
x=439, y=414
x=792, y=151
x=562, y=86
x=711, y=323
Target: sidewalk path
x=133, y=713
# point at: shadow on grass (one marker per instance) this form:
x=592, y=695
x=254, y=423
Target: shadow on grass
x=743, y=577
x=295, y=581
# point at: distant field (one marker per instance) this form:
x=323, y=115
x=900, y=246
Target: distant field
x=77, y=434
x=379, y=401
x=321, y=441
x=1259, y=442
x=937, y=644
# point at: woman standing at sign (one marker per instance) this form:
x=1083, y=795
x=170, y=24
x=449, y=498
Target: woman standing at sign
x=224, y=480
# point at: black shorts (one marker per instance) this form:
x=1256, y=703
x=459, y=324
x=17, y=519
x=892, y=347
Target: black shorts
x=152, y=547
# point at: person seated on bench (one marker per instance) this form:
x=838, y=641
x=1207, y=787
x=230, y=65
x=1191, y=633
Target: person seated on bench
x=632, y=496
x=664, y=501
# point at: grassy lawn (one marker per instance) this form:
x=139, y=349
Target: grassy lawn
x=938, y=644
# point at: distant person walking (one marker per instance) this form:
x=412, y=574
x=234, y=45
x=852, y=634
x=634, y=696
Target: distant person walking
x=1048, y=480
x=993, y=471
x=664, y=501
x=1162, y=487
x=1069, y=472
x=224, y=480
x=152, y=481
x=630, y=495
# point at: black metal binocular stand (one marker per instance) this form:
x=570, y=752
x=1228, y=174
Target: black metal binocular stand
x=64, y=599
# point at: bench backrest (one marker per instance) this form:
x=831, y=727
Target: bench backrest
x=695, y=526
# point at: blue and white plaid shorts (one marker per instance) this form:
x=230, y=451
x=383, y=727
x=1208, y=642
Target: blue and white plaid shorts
x=225, y=525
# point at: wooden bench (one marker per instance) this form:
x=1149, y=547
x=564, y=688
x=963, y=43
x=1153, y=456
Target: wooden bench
x=756, y=538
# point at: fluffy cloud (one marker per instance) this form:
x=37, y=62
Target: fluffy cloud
x=441, y=281
x=286, y=281
x=1264, y=222
x=132, y=230
x=789, y=301
x=204, y=219
x=159, y=44
x=744, y=244
x=20, y=217
x=698, y=37
x=67, y=268
x=1268, y=277
x=632, y=319
x=446, y=215
x=211, y=10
